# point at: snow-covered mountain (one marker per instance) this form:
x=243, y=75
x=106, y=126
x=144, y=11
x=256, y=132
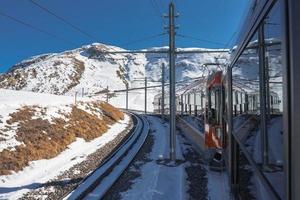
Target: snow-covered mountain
x=88, y=69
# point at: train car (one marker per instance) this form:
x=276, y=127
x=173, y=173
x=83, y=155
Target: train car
x=213, y=112
x=262, y=81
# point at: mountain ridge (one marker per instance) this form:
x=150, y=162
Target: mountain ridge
x=67, y=72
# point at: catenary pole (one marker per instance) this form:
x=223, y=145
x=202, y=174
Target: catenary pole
x=145, y=95
x=163, y=90
x=262, y=94
x=172, y=82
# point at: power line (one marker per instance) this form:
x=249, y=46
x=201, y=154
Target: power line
x=230, y=39
x=63, y=20
x=38, y=29
x=202, y=40
x=156, y=6
x=157, y=10
x=161, y=7
x=48, y=33
x=157, y=86
x=68, y=23
x=143, y=39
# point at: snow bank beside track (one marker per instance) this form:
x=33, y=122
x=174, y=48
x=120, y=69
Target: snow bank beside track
x=43, y=135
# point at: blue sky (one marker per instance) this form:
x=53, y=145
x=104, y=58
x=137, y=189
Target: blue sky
x=115, y=22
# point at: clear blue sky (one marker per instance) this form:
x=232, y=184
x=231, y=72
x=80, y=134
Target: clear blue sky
x=115, y=22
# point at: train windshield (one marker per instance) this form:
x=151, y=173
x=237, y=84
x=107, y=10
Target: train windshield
x=214, y=105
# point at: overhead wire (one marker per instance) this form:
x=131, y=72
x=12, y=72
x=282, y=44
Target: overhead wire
x=199, y=39
x=45, y=9
x=38, y=29
x=157, y=10
x=143, y=39
x=63, y=20
x=230, y=39
x=86, y=33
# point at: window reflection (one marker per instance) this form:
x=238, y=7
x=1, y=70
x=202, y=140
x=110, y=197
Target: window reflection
x=247, y=107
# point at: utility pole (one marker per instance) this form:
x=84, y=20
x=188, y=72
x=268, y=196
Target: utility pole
x=268, y=102
x=163, y=90
x=126, y=96
x=195, y=105
x=262, y=94
x=145, y=95
x=172, y=82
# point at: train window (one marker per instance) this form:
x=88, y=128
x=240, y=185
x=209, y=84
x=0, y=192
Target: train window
x=197, y=99
x=258, y=71
x=218, y=104
x=214, y=105
x=212, y=99
x=274, y=87
x=245, y=78
x=273, y=58
x=233, y=98
x=193, y=99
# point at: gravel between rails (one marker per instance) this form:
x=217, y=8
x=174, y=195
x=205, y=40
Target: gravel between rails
x=246, y=186
x=196, y=173
x=133, y=171
x=195, y=167
x=70, y=179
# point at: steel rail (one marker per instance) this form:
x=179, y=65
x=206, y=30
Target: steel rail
x=100, y=181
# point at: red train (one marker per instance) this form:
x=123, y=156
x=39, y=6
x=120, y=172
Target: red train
x=213, y=120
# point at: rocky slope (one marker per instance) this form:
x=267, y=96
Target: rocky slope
x=88, y=69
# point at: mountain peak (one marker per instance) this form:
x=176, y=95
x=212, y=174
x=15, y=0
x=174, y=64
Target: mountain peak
x=87, y=68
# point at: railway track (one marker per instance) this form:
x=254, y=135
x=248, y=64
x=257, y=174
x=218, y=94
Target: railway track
x=99, y=181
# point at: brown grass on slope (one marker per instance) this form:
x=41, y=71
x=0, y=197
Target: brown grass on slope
x=45, y=140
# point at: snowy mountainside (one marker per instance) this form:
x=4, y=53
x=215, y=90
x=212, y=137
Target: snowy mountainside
x=246, y=69
x=89, y=69
x=188, y=65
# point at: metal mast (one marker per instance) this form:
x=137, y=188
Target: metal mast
x=172, y=82
x=262, y=94
x=163, y=90
x=145, y=95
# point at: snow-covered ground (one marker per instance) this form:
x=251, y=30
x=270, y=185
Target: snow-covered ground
x=38, y=172
x=158, y=181
x=83, y=70
x=275, y=139
x=217, y=181
x=218, y=187
x=11, y=101
x=276, y=156
x=87, y=70
x=136, y=100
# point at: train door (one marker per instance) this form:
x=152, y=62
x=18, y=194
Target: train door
x=213, y=115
